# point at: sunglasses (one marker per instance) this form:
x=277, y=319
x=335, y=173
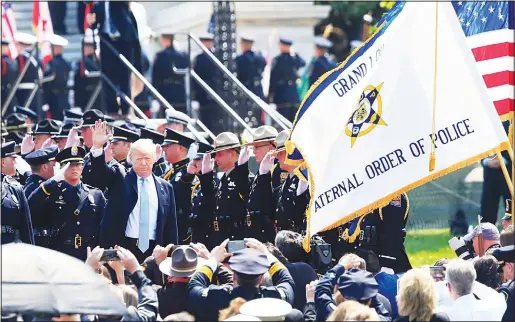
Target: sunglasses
x=500, y=267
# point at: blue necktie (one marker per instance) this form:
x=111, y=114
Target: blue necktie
x=143, y=242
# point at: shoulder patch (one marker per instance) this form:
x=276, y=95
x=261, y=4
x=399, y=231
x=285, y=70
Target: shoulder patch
x=505, y=293
x=396, y=202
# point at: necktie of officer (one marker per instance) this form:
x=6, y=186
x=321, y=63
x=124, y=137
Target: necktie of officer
x=143, y=242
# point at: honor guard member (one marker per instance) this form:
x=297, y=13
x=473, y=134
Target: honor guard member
x=9, y=75
x=284, y=78
x=42, y=164
x=200, y=217
x=207, y=70
x=259, y=220
x=323, y=63
x=34, y=72
x=121, y=144
x=227, y=200
x=278, y=173
x=31, y=118
x=61, y=138
x=175, y=148
x=72, y=208
x=9, y=159
x=161, y=166
x=84, y=86
x=17, y=137
x=16, y=218
x=383, y=232
x=73, y=117
x=164, y=79
x=506, y=257
x=506, y=219
x=15, y=122
x=56, y=90
x=250, y=66
x=44, y=130
x=175, y=120
x=292, y=197
x=248, y=265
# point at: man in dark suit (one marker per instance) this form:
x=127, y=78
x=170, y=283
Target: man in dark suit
x=322, y=63
x=250, y=66
x=140, y=212
x=116, y=23
x=84, y=86
x=56, y=91
x=164, y=79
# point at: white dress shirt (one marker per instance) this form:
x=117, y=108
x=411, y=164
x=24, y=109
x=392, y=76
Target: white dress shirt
x=132, y=228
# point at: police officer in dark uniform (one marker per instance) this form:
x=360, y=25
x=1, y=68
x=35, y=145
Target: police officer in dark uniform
x=323, y=63
x=250, y=66
x=31, y=117
x=164, y=79
x=248, y=265
x=16, y=220
x=61, y=138
x=200, y=217
x=9, y=156
x=161, y=165
x=383, y=232
x=45, y=129
x=42, y=164
x=506, y=257
x=207, y=70
x=9, y=75
x=72, y=208
x=283, y=80
x=175, y=147
x=32, y=76
x=88, y=122
x=121, y=144
x=15, y=122
x=73, y=117
x=227, y=202
x=56, y=90
x=83, y=86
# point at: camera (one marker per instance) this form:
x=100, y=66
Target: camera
x=320, y=257
x=462, y=248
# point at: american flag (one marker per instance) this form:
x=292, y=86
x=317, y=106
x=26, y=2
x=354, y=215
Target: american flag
x=9, y=27
x=488, y=27
x=42, y=26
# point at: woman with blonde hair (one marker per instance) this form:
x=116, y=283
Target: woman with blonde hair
x=417, y=297
x=353, y=311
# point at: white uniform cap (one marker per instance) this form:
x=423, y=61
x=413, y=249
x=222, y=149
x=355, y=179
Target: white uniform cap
x=177, y=117
x=57, y=40
x=266, y=309
x=242, y=317
x=25, y=38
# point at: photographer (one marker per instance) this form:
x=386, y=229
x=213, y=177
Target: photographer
x=506, y=257
x=484, y=238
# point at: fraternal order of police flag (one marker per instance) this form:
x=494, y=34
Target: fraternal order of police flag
x=364, y=131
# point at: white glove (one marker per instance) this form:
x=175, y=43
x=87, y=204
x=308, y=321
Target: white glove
x=302, y=187
x=195, y=105
x=108, y=153
x=27, y=144
x=59, y=175
x=244, y=156
x=155, y=106
x=72, y=139
x=45, y=107
x=267, y=163
x=48, y=142
x=207, y=163
x=273, y=106
x=460, y=248
x=367, y=18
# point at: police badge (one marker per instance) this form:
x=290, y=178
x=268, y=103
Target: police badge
x=74, y=151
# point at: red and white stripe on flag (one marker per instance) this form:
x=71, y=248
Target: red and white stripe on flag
x=42, y=26
x=494, y=54
x=9, y=27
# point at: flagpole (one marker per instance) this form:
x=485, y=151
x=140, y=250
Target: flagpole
x=432, y=155
x=506, y=174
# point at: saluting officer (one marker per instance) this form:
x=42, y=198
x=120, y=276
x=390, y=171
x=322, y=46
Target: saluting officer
x=56, y=90
x=228, y=200
x=323, y=63
x=207, y=70
x=9, y=75
x=9, y=159
x=42, y=164
x=16, y=219
x=61, y=137
x=250, y=66
x=383, y=232
x=161, y=166
x=259, y=220
x=175, y=148
x=284, y=78
x=121, y=145
x=83, y=86
x=175, y=120
x=31, y=118
x=164, y=79
x=249, y=265
x=34, y=72
x=200, y=217
x=72, y=208
x=45, y=130
x=88, y=122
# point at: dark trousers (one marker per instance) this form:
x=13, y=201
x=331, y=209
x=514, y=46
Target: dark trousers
x=117, y=72
x=494, y=187
x=58, y=14
x=81, y=11
x=132, y=245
